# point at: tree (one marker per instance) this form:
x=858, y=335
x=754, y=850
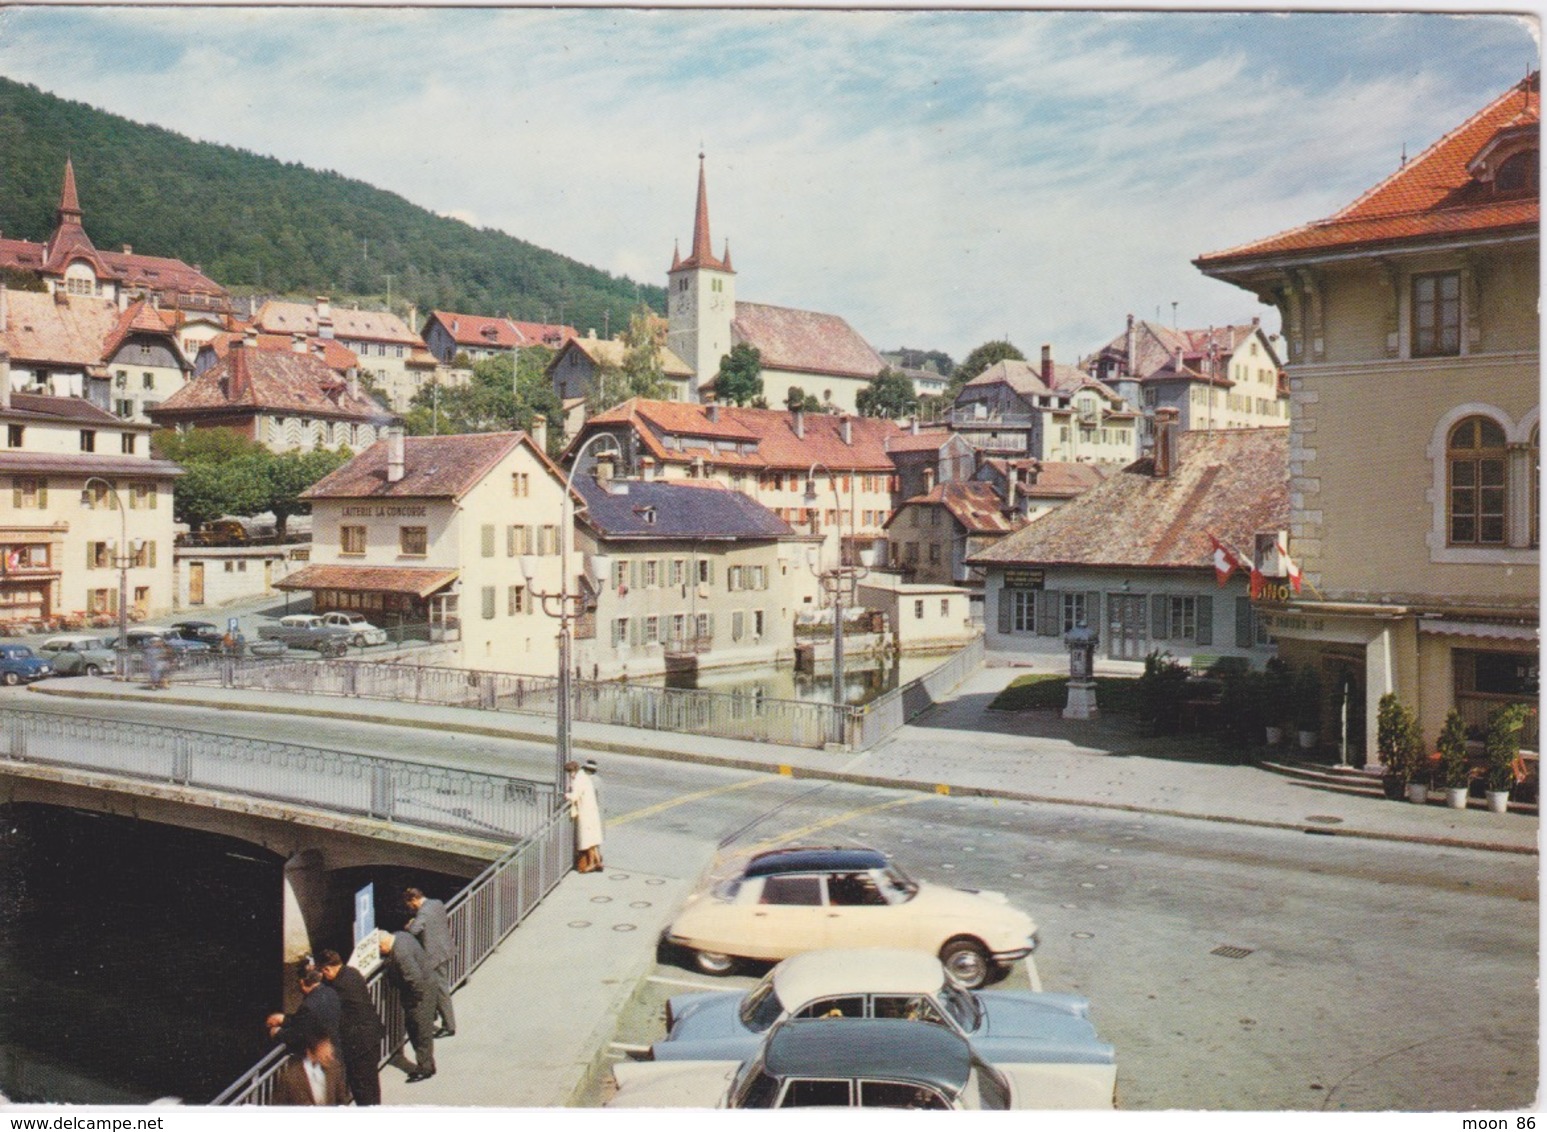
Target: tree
x=288, y=474
x=203, y=445
x=740, y=380
x=889, y=394
x=980, y=359
x=210, y=490
x=492, y=401
x=640, y=373
x=798, y=398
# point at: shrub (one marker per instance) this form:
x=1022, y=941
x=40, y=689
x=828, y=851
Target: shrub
x=1277, y=705
x=1241, y=709
x=1501, y=746
x=1306, y=696
x=1454, y=771
x=1160, y=693
x=1398, y=740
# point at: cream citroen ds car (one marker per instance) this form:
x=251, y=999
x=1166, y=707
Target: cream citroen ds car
x=788, y=901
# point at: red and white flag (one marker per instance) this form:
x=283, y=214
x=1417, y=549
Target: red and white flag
x=1226, y=561
x=1286, y=563
x=1258, y=583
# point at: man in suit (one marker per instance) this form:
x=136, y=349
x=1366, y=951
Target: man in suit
x=409, y=970
x=319, y=1004
x=359, y=1026
x=432, y=928
x=312, y=1074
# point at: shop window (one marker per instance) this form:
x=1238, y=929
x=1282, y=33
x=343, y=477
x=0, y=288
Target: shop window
x=1475, y=458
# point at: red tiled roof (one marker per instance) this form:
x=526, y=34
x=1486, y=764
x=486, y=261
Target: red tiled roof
x=276, y=381
x=420, y=581
x=975, y=505
x=276, y=317
x=772, y=430
x=925, y=440
x=804, y=341
x=157, y=273
x=83, y=463
x=438, y=467
x=335, y=354
x=63, y=329
x=702, y=255
x=1056, y=479
x=140, y=318
x=1231, y=483
x=44, y=406
x=1433, y=196
x=501, y=333
x=1021, y=376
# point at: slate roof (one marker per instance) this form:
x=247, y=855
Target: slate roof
x=276, y=317
x=1434, y=196
x=67, y=329
x=673, y=509
x=771, y=431
x=974, y=504
x=273, y=381
x=75, y=410
x=421, y=581
x=434, y=467
x=804, y=341
x=1232, y=482
x=500, y=333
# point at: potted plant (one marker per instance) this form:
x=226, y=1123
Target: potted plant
x=1307, y=706
x=1275, y=700
x=1400, y=746
x=1455, y=773
x=1501, y=754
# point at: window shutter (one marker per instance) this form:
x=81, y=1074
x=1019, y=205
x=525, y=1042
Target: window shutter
x=1050, y=612
x=1093, y=609
x=1205, y=619
x=43, y=494
x=1160, y=617
x=1004, y=610
x=510, y=542
x=112, y=601
x=633, y=573
x=634, y=628
x=1243, y=622
x=16, y=494
x=488, y=602
x=488, y=542
x=152, y=562
x=134, y=497
x=155, y=491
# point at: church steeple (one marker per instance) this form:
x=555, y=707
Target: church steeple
x=69, y=204
x=702, y=254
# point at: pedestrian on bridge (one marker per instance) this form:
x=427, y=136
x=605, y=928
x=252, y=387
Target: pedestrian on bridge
x=409, y=969
x=587, y=812
x=360, y=1028
x=431, y=926
x=312, y=1075
x=319, y=1007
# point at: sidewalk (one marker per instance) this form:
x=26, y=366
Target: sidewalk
x=959, y=747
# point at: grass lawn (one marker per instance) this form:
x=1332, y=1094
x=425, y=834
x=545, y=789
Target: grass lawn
x=1047, y=692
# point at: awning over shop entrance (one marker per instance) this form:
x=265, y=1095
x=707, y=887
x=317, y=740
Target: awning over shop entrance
x=414, y=581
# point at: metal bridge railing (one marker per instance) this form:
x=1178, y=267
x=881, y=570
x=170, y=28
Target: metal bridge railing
x=482, y=915
x=490, y=806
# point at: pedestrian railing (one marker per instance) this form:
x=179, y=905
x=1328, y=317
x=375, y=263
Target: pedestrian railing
x=885, y=714
x=491, y=907
x=489, y=806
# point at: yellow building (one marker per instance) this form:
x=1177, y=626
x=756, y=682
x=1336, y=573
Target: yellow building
x=1414, y=359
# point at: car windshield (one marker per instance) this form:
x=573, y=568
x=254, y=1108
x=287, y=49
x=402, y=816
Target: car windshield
x=902, y=887
x=986, y=1089
x=963, y=1006
x=761, y=1008
x=727, y=889
x=753, y=1088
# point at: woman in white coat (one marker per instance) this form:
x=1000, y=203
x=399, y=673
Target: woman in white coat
x=588, y=820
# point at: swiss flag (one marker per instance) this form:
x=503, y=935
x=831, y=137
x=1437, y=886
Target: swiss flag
x=1226, y=561
x=1288, y=563
x=1258, y=581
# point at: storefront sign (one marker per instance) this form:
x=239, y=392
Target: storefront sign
x=1291, y=623
x=384, y=511
x=1023, y=579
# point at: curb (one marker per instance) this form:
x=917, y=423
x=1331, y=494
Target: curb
x=792, y=771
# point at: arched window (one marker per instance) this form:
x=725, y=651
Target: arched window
x=1476, y=461
x=1518, y=173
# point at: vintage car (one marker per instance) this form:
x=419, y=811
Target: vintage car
x=20, y=665
x=364, y=633
x=308, y=631
x=1003, y=1026
x=787, y=901
x=206, y=631
x=862, y=1063
x=141, y=636
x=78, y=654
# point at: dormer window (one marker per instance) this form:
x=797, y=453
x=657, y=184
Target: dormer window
x=1518, y=173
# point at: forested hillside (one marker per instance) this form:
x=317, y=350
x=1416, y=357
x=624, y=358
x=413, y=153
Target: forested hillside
x=255, y=223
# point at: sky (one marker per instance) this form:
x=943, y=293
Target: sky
x=939, y=178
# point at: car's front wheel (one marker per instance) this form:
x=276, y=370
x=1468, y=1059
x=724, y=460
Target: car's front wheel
x=359, y=640
x=93, y=670
x=11, y=679
x=968, y=962
x=714, y=962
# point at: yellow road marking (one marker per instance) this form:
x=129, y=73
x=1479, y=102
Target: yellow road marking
x=839, y=819
x=683, y=799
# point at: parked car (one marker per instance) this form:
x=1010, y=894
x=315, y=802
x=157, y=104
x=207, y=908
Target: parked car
x=182, y=649
x=364, y=632
x=78, y=654
x=20, y=665
x=862, y=1063
x=787, y=901
x=1003, y=1026
x=308, y=631
x=219, y=532
x=206, y=631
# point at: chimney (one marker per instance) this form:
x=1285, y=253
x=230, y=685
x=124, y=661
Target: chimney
x=324, y=317
x=395, y=459
x=1047, y=365
x=1181, y=362
x=1011, y=483
x=913, y=425
x=591, y=333
x=929, y=480
x=647, y=467
x=798, y=423
x=5, y=375
x=128, y=249
x=1128, y=349
x=712, y=411
x=238, y=380
x=298, y=342
x=413, y=317
x=603, y=470
x=540, y=433
x=1166, y=421
x=352, y=380
x=847, y=427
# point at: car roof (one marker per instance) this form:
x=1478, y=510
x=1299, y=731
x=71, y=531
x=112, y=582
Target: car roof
x=194, y=625
x=861, y=970
x=808, y=859
x=73, y=637
x=891, y=1048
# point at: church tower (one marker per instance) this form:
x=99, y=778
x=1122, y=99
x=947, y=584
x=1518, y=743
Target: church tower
x=700, y=299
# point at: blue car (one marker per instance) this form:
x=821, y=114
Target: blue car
x=20, y=665
x=1005, y=1027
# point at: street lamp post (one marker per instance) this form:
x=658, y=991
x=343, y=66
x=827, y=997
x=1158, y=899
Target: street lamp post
x=123, y=556
x=566, y=607
x=839, y=578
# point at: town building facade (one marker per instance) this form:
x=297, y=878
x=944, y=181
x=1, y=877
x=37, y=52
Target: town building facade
x=449, y=335
x=390, y=354
x=1415, y=518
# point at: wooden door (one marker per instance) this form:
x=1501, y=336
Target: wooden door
x=195, y=583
